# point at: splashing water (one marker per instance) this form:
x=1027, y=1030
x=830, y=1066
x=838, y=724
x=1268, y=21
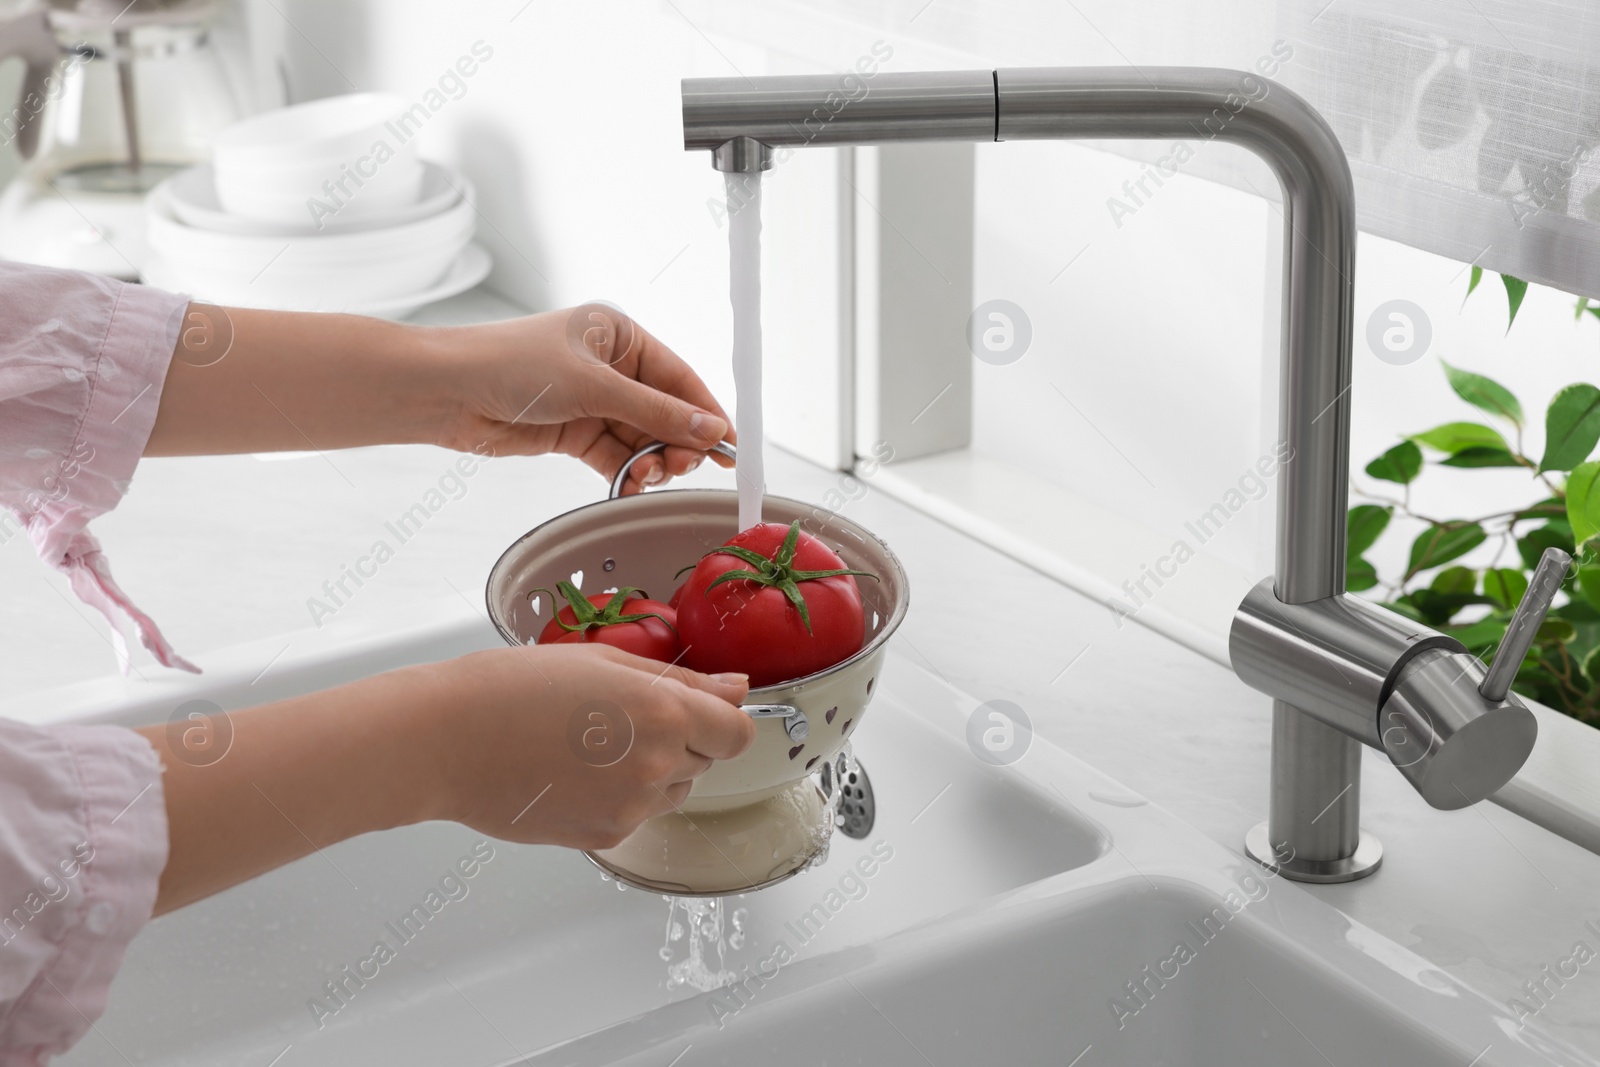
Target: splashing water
x=712, y=929
x=744, y=247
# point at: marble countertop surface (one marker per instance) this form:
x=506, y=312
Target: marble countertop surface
x=228, y=551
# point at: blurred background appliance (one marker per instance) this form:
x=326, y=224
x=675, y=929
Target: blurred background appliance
x=116, y=97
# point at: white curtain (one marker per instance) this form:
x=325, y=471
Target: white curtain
x=1472, y=126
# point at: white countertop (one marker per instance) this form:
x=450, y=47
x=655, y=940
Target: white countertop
x=224, y=551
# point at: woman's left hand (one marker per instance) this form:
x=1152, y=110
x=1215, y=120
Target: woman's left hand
x=586, y=382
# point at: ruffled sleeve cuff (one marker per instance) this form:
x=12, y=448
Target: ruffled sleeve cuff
x=125, y=378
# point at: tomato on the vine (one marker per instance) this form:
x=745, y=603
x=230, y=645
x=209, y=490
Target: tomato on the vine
x=774, y=602
x=634, y=624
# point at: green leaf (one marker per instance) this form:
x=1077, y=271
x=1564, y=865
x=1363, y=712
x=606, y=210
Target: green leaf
x=1455, y=580
x=1505, y=585
x=1482, y=456
x=1591, y=665
x=1555, y=533
x=1583, y=501
x=1441, y=544
x=1400, y=464
x=1516, y=289
x=1472, y=282
x=1582, y=306
x=1571, y=427
x=1485, y=394
x=1588, y=585
x=1551, y=507
x=1452, y=437
x=1365, y=523
x=1559, y=630
x=1359, y=575
x=1576, y=610
x=1438, y=608
x=1480, y=636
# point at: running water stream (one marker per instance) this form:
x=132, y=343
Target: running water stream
x=744, y=246
x=711, y=929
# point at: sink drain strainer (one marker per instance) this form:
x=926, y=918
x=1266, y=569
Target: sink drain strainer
x=857, y=808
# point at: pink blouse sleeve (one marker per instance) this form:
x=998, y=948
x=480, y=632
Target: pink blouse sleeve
x=82, y=363
x=83, y=841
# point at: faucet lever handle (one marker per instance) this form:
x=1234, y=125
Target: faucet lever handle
x=1524, y=625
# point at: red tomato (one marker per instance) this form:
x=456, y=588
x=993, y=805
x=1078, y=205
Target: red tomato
x=774, y=603
x=644, y=627
x=677, y=595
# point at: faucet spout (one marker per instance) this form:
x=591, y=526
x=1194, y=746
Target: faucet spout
x=791, y=111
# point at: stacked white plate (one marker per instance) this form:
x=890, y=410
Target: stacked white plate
x=319, y=207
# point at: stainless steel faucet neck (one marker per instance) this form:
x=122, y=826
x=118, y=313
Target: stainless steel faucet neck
x=1292, y=636
x=1199, y=103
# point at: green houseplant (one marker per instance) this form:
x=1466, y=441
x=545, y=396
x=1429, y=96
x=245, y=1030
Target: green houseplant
x=1562, y=509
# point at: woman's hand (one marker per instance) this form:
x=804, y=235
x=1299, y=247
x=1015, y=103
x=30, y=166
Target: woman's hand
x=577, y=745
x=587, y=382
x=570, y=746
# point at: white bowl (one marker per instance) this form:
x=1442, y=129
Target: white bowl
x=353, y=154
x=469, y=269
x=192, y=196
x=313, y=273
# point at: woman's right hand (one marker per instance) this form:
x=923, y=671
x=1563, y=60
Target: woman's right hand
x=576, y=745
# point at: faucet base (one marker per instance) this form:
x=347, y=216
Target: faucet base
x=1366, y=859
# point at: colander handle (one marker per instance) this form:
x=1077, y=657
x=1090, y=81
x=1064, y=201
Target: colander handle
x=795, y=723
x=721, y=448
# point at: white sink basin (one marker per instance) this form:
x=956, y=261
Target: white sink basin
x=1015, y=906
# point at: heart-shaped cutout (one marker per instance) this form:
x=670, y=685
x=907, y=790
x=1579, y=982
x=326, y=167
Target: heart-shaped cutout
x=795, y=751
x=846, y=727
x=830, y=713
x=812, y=762
x=536, y=602
x=577, y=578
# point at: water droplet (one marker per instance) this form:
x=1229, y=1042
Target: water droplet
x=665, y=953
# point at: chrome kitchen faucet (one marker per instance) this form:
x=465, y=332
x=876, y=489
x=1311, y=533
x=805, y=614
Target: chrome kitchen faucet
x=1341, y=671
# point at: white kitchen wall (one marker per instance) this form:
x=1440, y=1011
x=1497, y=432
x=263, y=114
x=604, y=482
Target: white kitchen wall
x=572, y=134
x=10, y=86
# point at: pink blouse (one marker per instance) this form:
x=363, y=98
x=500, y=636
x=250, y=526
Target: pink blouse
x=83, y=831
